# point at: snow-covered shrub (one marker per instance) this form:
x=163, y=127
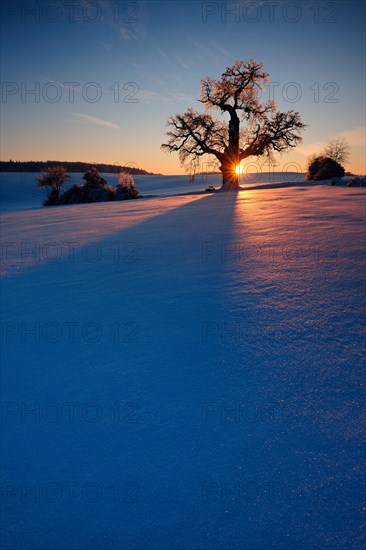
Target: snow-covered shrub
x=324, y=168
x=95, y=189
x=52, y=178
x=72, y=195
x=125, y=189
x=93, y=178
x=79, y=194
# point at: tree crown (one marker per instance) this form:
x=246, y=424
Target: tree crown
x=194, y=134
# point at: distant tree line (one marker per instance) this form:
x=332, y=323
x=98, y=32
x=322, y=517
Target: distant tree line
x=39, y=166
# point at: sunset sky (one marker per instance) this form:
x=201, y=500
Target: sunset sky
x=153, y=55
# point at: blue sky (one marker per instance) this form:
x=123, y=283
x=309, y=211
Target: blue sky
x=155, y=54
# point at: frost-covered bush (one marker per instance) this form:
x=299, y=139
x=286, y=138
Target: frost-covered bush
x=93, y=178
x=324, y=168
x=79, y=194
x=125, y=189
x=95, y=189
x=52, y=179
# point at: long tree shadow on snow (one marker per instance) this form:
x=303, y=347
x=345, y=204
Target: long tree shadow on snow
x=173, y=260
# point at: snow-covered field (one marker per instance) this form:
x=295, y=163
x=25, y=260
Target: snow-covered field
x=183, y=372
x=19, y=192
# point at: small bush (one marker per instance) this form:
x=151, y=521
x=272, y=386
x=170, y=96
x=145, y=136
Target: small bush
x=93, y=178
x=125, y=189
x=95, y=189
x=52, y=179
x=324, y=168
x=80, y=194
x=72, y=195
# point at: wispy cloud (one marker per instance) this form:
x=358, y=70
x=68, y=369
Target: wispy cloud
x=96, y=120
x=137, y=33
x=125, y=33
x=180, y=96
x=181, y=62
x=107, y=46
x=206, y=53
x=149, y=96
x=220, y=48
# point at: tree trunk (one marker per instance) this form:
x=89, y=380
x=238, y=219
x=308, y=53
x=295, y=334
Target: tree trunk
x=230, y=179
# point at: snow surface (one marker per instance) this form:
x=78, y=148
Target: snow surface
x=19, y=192
x=238, y=368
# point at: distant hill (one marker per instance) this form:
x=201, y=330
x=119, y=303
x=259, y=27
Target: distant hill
x=38, y=166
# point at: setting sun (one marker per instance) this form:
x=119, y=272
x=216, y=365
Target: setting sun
x=238, y=169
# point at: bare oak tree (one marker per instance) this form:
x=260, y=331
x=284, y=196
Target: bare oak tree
x=237, y=94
